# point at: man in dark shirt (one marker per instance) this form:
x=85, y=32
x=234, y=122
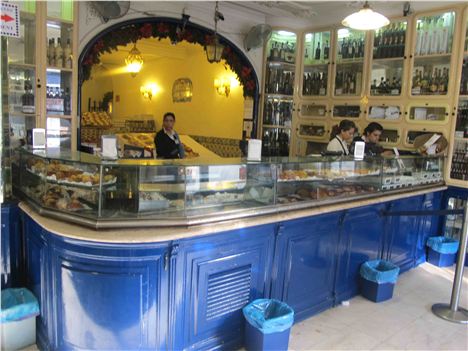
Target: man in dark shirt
x=167, y=141
x=371, y=137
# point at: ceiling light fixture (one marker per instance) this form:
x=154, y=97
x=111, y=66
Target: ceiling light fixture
x=365, y=19
x=214, y=49
x=134, y=61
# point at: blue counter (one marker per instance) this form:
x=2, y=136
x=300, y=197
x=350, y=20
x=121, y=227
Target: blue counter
x=187, y=292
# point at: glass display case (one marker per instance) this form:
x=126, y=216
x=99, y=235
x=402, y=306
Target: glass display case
x=346, y=111
x=316, y=64
x=279, y=89
x=384, y=112
x=313, y=130
x=349, y=62
x=309, y=110
x=388, y=59
x=82, y=188
x=432, y=54
x=427, y=113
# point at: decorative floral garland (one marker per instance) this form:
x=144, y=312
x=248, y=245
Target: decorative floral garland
x=162, y=30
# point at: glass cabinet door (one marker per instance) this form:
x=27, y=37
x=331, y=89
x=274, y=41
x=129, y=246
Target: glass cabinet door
x=316, y=63
x=22, y=73
x=432, y=54
x=428, y=113
x=279, y=89
x=388, y=59
x=464, y=74
x=384, y=112
x=312, y=110
x=346, y=111
x=350, y=49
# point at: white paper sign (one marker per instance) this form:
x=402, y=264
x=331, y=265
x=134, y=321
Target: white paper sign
x=10, y=22
x=254, y=150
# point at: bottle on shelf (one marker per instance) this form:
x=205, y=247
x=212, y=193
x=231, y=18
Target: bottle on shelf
x=326, y=51
x=67, y=102
x=67, y=55
x=464, y=78
x=27, y=99
x=317, y=52
x=459, y=169
x=51, y=52
x=59, y=54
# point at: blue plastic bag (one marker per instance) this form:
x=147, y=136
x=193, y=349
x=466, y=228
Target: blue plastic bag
x=443, y=245
x=269, y=316
x=18, y=304
x=379, y=271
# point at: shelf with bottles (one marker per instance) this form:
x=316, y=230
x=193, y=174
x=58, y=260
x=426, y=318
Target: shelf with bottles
x=430, y=79
x=389, y=42
x=316, y=48
x=459, y=166
x=461, y=124
x=315, y=81
x=386, y=77
x=279, y=80
x=282, y=47
x=275, y=141
x=277, y=112
x=348, y=80
x=313, y=110
x=427, y=113
x=434, y=34
x=312, y=131
x=59, y=50
x=350, y=45
x=384, y=113
x=21, y=94
x=464, y=77
x=58, y=92
x=346, y=111
x=390, y=137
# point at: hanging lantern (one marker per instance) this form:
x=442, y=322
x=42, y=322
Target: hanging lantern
x=134, y=61
x=214, y=50
x=182, y=90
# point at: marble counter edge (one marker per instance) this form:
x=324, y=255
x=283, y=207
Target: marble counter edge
x=155, y=235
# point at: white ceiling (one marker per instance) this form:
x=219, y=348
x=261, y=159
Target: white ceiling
x=316, y=14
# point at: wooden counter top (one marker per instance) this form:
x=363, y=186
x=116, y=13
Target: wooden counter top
x=152, y=235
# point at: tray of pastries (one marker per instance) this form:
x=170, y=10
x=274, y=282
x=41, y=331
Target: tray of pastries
x=96, y=119
x=65, y=199
x=290, y=175
x=326, y=192
x=218, y=198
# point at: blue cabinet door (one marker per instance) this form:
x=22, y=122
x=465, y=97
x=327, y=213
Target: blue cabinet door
x=305, y=264
x=403, y=233
x=361, y=239
x=109, y=297
x=10, y=246
x=428, y=225
x=218, y=275
x=36, y=274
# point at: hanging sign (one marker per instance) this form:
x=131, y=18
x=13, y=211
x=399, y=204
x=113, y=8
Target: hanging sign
x=10, y=22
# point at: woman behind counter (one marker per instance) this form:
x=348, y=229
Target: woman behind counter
x=340, y=136
x=167, y=141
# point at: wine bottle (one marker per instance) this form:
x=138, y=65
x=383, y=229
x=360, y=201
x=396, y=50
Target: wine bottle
x=419, y=39
x=59, y=54
x=435, y=35
x=52, y=52
x=27, y=99
x=67, y=55
x=444, y=40
x=326, y=51
x=317, y=51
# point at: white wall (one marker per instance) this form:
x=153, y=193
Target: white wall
x=236, y=24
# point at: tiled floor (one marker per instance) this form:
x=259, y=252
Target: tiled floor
x=403, y=323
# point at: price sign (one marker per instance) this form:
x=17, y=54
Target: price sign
x=9, y=24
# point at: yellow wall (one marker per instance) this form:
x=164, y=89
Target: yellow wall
x=208, y=114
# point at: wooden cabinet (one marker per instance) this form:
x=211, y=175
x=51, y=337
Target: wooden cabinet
x=403, y=76
x=42, y=76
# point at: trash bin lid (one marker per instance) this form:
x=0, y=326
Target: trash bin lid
x=18, y=304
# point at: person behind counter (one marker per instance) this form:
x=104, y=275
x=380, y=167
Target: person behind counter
x=371, y=137
x=167, y=141
x=340, y=136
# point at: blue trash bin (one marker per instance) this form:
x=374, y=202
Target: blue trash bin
x=18, y=318
x=378, y=278
x=442, y=251
x=268, y=324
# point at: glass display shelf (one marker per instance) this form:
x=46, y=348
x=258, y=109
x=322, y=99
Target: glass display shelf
x=277, y=112
x=411, y=135
x=464, y=77
x=313, y=110
x=60, y=44
x=275, y=141
x=459, y=166
x=282, y=47
x=316, y=60
x=84, y=189
x=384, y=112
x=461, y=124
x=312, y=130
x=434, y=34
x=427, y=113
x=60, y=10
x=346, y=111
x=390, y=137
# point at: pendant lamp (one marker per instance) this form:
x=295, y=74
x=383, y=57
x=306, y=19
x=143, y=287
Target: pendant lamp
x=134, y=61
x=214, y=50
x=365, y=19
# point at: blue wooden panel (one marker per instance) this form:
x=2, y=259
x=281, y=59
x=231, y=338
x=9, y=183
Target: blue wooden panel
x=223, y=273
x=361, y=239
x=307, y=264
x=428, y=225
x=10, y=246
x=403, y=233
x=109, y=299
x=36, y=277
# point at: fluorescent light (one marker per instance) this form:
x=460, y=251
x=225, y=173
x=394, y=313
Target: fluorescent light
x=285, y=33
x=366, y=19
x=52, y=25
x=53, y=70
